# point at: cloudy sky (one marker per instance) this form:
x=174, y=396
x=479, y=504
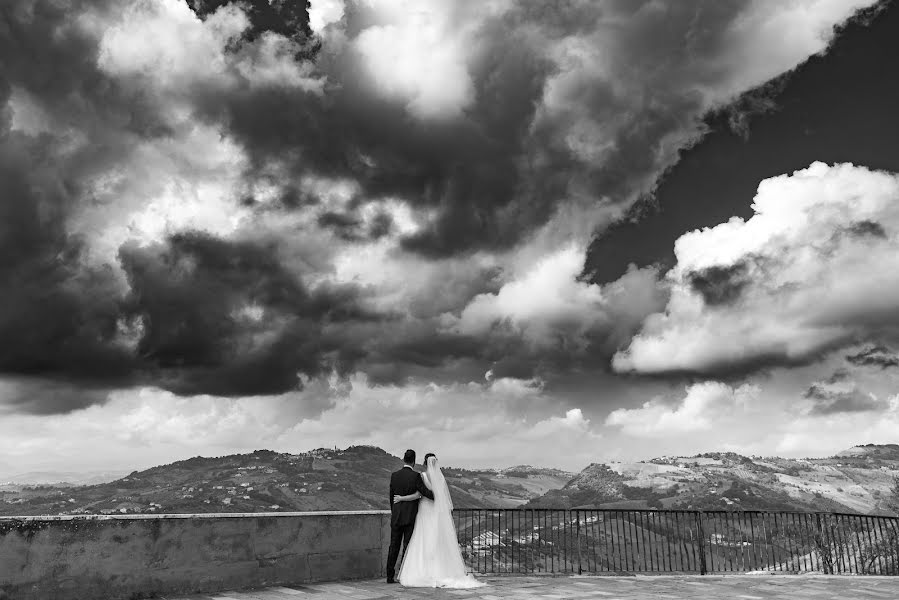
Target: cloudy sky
x=503, y=231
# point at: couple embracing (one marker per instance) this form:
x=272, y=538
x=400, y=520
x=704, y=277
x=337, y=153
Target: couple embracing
x=421, y=520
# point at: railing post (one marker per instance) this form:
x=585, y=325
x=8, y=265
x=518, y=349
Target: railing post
x=701, y=538
x=824, y=549
x=577, y=516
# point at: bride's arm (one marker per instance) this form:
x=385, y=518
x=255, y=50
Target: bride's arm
x=424, y=487
x=406, y=498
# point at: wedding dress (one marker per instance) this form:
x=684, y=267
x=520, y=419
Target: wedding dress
x=433, y=558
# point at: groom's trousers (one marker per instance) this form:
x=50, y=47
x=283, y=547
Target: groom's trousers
x=398, y=534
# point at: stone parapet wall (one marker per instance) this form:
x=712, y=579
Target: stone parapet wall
x=139, y=556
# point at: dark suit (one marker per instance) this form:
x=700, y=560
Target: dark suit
x=402, y=514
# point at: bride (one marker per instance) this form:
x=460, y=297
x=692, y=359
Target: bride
x=433, y=558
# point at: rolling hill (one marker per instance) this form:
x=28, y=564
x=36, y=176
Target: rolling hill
x=856, y=480
x=323, y=479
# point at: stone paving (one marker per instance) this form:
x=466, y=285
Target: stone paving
x=673, y=587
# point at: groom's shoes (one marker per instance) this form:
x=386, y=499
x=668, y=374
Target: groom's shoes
x=391, y=580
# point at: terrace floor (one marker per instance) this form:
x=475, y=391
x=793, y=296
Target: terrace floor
x=671, y=587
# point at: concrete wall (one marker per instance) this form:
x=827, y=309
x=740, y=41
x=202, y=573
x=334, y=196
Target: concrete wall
x=139, y=556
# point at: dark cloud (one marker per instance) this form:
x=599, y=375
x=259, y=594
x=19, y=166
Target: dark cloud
x=726, y=370
x=345, y=226
x=875, y=356
x=381, y=225
x=838, y=376
x=720, y=285
x=227, y=318
x=422, y=352
x=468, y=171
x=500, y=169
x=202, y=315
x=58, y=314
x=41, y=396
x=866, y=229
x=350, y=227
x=517, y=367
x=830, y=399
x=69, y=321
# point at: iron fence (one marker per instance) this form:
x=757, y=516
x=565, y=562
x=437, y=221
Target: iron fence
x=498, y=541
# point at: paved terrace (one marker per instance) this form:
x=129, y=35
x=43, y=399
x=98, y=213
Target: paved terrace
x=670, y=587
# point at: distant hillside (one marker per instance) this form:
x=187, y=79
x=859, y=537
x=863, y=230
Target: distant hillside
x=855, y=480
x=883, y=452
x=352, y=479
x=67, y=478
x=505, y=488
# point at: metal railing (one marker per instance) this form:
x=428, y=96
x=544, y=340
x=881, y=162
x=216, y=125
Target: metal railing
x=527, y=541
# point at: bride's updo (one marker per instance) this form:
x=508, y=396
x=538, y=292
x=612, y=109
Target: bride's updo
x=428, y=455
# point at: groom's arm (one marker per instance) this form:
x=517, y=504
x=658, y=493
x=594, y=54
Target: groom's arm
x=390, y=497
x=423, y=489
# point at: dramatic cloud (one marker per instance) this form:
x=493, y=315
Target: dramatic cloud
x=834, y=107
x=412, y=103
x=228, y=318
x=58, y=313
x=211, y=198
x=815, y=269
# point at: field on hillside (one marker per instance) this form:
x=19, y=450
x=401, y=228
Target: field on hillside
x=356, y=478
x=858, y=481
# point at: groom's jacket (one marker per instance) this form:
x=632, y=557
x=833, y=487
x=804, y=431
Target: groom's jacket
x=402, y=483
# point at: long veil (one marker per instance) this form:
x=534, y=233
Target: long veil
x=433, y=558
x=442, y=499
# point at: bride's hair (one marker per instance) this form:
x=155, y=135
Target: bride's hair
x=425, y=461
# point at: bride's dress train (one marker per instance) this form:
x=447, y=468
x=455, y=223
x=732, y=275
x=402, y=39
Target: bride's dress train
x=433, y=558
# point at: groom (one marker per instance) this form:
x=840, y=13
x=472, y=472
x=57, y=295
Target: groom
x=402, y=514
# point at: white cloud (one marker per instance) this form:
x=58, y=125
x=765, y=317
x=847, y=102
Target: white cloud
x=324, y=12
x=826, y=434
x=779, y=412
x=166, y=45
x=167, y=42
x=191, y=180
x=816, y=267
x=505, y=422
x=705, y=406
x=547, y=302
x=419, y=53
x=193, y=177
x=547, y=295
